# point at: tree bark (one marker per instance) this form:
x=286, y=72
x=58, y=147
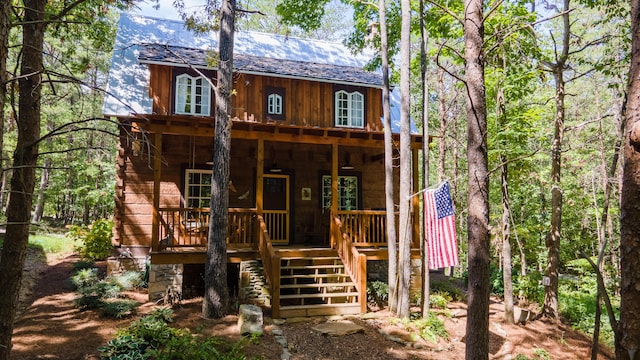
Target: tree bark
x=404, y=263
x=24, y=161
x=5, y=24
x=628, y=339
x=392, y=237
x=442, y=110
x=216, y=294
x=477, y=344
x=550, y=305
x=425, y=156
x=44, y=184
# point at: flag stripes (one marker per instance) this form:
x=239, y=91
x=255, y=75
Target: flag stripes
x=440, y=228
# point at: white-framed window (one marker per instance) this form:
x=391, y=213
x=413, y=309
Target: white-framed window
x=349, y=109
x=274, y=104
x=192, y=95
x=197, y=192
x=347, y=192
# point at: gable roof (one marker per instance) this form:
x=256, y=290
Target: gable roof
x=249, y=64
x=142, y=40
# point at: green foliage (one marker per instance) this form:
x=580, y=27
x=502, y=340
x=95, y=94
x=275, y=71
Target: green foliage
x=119, y=309
x=378, y=293
x=439, y=300
x=529, y=287
x=430, y=328
x=151, y=337
x=496, y=279
x=128, y=281
x=454, y=292
x=85, y=278
x=51, y=243
x=83, y=264
x=95, y=239
x=541, y=354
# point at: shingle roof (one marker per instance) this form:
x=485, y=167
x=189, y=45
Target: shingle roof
x=262, y=65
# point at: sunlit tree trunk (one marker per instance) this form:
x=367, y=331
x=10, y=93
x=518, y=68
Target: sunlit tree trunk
x=477, y=343
x=44, y=184
x=425, y=155
x=392, y=237
x=405, y=231
x=216, y=294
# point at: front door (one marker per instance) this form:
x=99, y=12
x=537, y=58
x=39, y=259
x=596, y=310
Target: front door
x=276, y=207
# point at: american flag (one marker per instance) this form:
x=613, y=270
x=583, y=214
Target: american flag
x=440, y=228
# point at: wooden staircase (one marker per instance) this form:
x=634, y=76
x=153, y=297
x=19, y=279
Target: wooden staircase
x=313, y=283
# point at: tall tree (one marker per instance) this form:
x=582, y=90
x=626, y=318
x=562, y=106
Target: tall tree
x=477, y=344
x=216, y=293
x=388, y=160
x=5, y=25
x=628, y=339
x=24, y=173
x=405, y=219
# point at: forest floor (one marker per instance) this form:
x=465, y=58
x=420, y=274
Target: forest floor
x=50, y=327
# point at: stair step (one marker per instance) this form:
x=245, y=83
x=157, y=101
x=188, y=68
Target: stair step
x=319, y=310
x=336, y=266
x=313, y=276
x=315, y=306
x=321, y=295
x=310, y=258
x=329, y=284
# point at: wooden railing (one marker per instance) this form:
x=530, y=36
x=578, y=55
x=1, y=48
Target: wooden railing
x=366, y=228
x=355, y=263
x=270, y=265
x=277, y=222
x=189, y=228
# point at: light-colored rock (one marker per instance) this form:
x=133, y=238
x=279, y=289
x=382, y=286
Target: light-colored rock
x=338, y=328
x=250, y=319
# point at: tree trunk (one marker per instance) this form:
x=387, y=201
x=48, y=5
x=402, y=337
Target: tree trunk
x=24, y=161
x=442, y=110
x=216, y=293
x=425, y=156
x=404, y=263
x=628, y=339
x=477, y=344
x=550, y=305
x=392, y=237
x=5, y=24
x=44, y=184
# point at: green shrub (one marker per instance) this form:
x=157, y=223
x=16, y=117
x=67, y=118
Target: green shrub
x=151, y=337
x=378, y=293
x=430, y=328
x=119, y=309
x=95, y=240
x=85, y=278
x=83, y=264
x=541, y=354
x=439, y=300
x=529, y=287
x=127, y=281
x=447, y=287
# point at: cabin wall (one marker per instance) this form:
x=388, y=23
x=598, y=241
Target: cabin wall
x=307, y=103
x=304, y=163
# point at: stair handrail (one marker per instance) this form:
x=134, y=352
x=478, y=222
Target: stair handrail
x=355, y=263
x=270, y=265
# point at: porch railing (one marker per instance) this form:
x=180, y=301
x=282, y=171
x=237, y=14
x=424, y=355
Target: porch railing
x=354, y=262
x=270, y=264
x=189, y=228
x=366, y=228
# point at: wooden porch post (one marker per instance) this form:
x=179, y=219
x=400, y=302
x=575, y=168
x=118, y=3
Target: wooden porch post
x=157, y=172
x=334, y=190
x=259, y=176
x=415, y=201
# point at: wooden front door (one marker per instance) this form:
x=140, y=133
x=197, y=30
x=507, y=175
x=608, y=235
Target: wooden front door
x=276, y=207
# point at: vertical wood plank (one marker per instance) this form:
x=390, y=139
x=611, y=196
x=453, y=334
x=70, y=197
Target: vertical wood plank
x=259, y=176
x=157, y=173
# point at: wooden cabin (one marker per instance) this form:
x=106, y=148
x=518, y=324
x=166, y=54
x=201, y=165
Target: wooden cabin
x=307, y=162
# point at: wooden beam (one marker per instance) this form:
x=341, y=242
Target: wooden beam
x=157, y=173
x=334, y=191
x=415, y=201
x=260, y=176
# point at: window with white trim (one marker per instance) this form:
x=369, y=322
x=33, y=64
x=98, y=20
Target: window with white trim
x=274, y=104
x=197, y=192
x=349, y=109
x=193, y=95
x=347, y=192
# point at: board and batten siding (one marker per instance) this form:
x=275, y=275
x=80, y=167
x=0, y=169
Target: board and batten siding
x=307, y=103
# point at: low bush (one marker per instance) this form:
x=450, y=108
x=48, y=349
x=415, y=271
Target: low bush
x=119, y=309
x=94, y=293
x=94, y=240
x=378, y=293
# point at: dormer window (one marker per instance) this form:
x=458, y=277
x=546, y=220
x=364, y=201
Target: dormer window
x=349, y=108
x=274, y=103
x=192, y=95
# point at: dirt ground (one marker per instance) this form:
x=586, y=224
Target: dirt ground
x=50, y=327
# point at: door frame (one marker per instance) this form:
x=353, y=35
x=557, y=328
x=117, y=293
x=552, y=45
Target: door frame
x=286, y=238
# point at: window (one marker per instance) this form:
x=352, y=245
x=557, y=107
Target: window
x=349, y=109
x=192, y=95
x=197, y=192
x=274, y=103
x=347, y=192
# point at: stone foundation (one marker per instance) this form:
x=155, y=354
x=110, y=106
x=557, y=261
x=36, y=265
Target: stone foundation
x=253, y=286
x=164, y=276
x=120, y=265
